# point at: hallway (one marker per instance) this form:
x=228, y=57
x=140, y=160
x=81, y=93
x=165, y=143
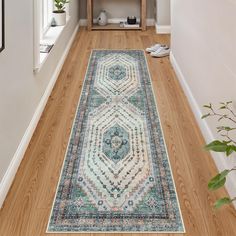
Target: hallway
x=30, y=199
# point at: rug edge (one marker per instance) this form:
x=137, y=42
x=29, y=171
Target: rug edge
x=168, y=159
x=64, y=160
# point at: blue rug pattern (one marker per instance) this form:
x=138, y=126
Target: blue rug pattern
x=116, y=175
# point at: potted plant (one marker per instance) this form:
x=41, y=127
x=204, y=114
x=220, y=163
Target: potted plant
x=227, y=144
x=59, y=14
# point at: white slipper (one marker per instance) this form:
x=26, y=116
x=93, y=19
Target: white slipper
x=165, y=51
x=155, y=47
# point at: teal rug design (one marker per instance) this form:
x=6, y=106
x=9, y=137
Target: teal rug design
x=116, y=175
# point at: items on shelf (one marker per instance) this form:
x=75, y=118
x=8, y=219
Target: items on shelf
x=103, y=23
x=131, y=20
x=126, y=25
x=102, y=18
x=130, y=23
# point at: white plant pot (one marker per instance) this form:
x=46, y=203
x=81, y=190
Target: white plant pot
x=59, y=17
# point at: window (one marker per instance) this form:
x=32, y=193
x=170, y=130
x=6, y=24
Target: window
x=44, y=34
x=46, y=16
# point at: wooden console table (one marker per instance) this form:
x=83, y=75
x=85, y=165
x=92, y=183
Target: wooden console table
x=91, y=26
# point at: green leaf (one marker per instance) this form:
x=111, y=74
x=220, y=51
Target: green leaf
x=60, y=4
x=226, y=128
x=214, y=185
x=216, y=146
x=218, y=181
x=229, y=151
x=219, y=203
x=226, y=142
x=208, y=106
x=222, y=107
x=205, y=116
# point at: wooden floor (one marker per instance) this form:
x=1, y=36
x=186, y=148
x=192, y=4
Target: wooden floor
x=28, y=204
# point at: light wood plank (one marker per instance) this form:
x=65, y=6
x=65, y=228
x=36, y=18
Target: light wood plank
x=89, y=14
x=143, y=14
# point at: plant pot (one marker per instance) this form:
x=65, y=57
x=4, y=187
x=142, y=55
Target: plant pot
x=59, y=17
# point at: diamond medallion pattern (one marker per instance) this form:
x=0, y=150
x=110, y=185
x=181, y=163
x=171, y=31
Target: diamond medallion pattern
x=116, y=175
x=116, y=143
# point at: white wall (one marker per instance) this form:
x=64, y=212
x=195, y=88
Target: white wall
x=21, y=89
x=163, y=12
x=204, y=56
x=163, y=17
x=118, y=8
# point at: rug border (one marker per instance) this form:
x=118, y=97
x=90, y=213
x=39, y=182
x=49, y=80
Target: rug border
x=63, y=164
x=167, y=153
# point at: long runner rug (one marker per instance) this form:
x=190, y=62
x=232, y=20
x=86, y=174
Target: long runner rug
x=116, y=175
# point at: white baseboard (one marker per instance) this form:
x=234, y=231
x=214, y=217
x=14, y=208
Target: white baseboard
x=163, y=29
x=219, y=158
x=193, y=103
x=19, y=154
x=149, y=21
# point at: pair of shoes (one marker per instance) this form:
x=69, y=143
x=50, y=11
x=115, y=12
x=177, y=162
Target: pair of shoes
x=159, y=50
x=162, y=52
x=155, y=47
